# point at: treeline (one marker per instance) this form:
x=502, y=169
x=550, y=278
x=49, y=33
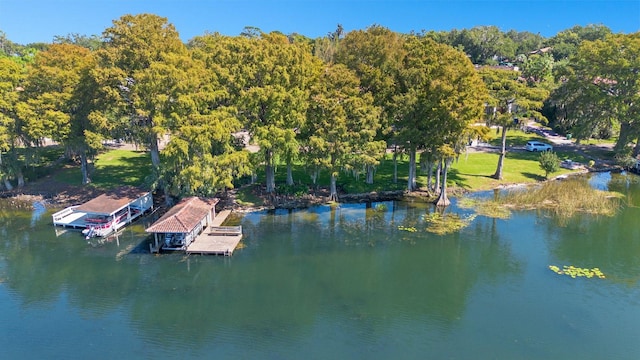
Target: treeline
x=334, y=104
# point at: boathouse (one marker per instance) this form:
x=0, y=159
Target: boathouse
x=180, y=226
x=106, y=213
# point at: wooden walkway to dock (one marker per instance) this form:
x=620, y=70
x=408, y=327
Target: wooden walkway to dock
x=216, y=239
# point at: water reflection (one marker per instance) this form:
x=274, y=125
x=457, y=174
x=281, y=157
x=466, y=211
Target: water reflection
x=339, y=281
x=39, y=209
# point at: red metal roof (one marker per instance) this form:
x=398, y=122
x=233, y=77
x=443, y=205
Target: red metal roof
x=183, y=217
x=113, y=200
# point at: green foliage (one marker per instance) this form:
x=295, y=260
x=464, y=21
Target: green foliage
x=510, y=98
x=549, y=162
x=625, y=160
x=342, y=121
x=482, y=43
x=538, y=68
x=599, y=89
x=418, y=91
x=566, y=43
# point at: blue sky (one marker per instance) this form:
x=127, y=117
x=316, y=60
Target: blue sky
x=25, y=21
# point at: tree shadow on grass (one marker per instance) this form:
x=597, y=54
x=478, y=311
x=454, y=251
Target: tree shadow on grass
x=533, y=176
x=127, y=171
x=454, y=175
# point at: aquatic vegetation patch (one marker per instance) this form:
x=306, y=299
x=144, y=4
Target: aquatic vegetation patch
x=575, y=272
x=380, y=208
x=562, y=198
x=443, y=224
x=565, y=198
x=491, y=209
x=407, y=228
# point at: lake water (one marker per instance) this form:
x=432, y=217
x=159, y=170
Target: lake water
x=342, y=283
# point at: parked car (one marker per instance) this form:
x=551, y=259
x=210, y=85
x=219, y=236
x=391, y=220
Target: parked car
x=538, y=146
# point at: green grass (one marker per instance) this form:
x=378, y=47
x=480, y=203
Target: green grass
x=598, y=141
x=383, y=180
x=111, y=169
x=246, y=196
x=474, y=171
x=516, y=138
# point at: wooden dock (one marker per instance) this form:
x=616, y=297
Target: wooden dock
x=216, y=239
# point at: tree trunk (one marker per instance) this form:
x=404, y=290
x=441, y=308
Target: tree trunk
x=411, y=182
x=395, y=164
x=20, y=177
x=443, y=200
x=168, y=199
x=623, y=138
x=636, y=149
x=370, y=172
x=503, y=153
x=289, y=174
x=269, y=171
x=155, y=152
x=84, y=168
x=430, y=176
x=438, y=173
x=333, y=196
x=7, y=184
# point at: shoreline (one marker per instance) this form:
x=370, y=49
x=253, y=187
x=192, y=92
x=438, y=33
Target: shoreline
x=61, y=196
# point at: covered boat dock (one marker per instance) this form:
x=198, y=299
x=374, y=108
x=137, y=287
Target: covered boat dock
x=192, y=226
x=106, y=213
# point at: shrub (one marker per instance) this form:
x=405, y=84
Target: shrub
x=549, y=162
x=297, y=190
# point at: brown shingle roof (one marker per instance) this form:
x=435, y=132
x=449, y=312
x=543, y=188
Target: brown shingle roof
x=183, y=217
x=113, y=200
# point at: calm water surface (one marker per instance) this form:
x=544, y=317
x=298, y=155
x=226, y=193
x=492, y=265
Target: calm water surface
x=328, y=284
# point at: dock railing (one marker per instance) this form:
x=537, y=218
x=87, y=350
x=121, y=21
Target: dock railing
x=63, y=213
x=225, y=230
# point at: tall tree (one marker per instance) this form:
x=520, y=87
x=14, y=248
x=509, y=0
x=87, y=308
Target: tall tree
x=525, y=41
x=61, y=97
x=273, y=98
x=376, y=56
x=92, y=42
x=440, y=94
x=511, y=102
x=538, y=69
x=606, y=72
x=11, y=78
x=566, y=42
x=202, y=157
x=143, y=56
x=342, y=122
x=485, y=44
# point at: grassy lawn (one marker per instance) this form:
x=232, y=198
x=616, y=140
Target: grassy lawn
x=516, y=138
x=474, y=171
x=111, y=169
